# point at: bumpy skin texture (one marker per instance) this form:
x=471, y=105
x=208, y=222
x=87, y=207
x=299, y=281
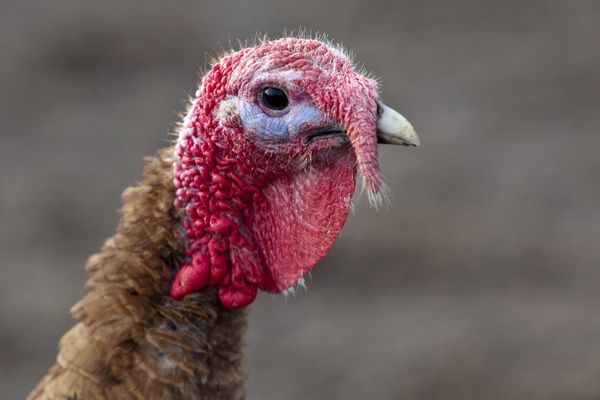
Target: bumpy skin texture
x=132, y=340
x=263, y=203
x=247, y=200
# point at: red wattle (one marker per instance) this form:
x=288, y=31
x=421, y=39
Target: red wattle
x=190, y=278
x=261, y=215
x=237, y=296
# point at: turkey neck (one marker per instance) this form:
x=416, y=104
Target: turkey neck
x=150, y=343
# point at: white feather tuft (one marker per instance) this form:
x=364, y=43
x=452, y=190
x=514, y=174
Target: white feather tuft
x=380, y=198
x=298, y=287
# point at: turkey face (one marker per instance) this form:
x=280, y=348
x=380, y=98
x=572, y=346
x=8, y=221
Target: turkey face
x=281, y=119
x=272, y=144
x=297, y=102
x=306, y=119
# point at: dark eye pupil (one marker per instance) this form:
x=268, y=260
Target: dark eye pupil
x=274, y=98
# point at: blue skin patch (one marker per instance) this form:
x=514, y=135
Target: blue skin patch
x=300, y=117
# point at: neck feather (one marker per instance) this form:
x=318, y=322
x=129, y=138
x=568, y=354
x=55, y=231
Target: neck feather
x=132, y=339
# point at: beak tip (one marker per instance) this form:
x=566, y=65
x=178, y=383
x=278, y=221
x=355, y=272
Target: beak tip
x=408, y=139
x=393, y=128
x=416, y=141
x=409, y=135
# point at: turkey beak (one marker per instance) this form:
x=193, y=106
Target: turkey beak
x=393, y=128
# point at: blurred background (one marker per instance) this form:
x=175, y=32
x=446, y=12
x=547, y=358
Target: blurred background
x=481, y=280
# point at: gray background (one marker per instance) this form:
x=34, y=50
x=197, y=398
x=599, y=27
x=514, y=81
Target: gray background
x=479, y=282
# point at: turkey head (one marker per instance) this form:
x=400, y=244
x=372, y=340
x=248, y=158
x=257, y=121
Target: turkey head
x=266, y=165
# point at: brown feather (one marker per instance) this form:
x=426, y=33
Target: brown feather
x=132, y=340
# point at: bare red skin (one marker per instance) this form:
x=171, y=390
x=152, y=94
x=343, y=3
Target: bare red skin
x=260, y=216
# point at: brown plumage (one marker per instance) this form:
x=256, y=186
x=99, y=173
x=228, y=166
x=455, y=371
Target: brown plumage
x=132, y=340
x=252, y=195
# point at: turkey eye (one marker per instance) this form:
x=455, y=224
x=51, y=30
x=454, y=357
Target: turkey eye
x=274, y=98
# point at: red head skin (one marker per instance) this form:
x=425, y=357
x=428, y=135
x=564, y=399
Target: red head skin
x=263, y=203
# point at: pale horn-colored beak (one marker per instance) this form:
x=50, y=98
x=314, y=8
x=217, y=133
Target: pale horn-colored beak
x=393, y=128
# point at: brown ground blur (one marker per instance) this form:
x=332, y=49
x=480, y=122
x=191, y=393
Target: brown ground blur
x=480, y=282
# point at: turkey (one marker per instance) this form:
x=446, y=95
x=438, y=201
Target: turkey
x=251, y=196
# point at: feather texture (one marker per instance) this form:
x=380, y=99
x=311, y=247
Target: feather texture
x=132, y=341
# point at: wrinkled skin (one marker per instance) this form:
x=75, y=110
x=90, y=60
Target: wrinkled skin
x=250, y=198
x=264, y=197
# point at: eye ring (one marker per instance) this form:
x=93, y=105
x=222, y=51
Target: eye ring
x=274, y=98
